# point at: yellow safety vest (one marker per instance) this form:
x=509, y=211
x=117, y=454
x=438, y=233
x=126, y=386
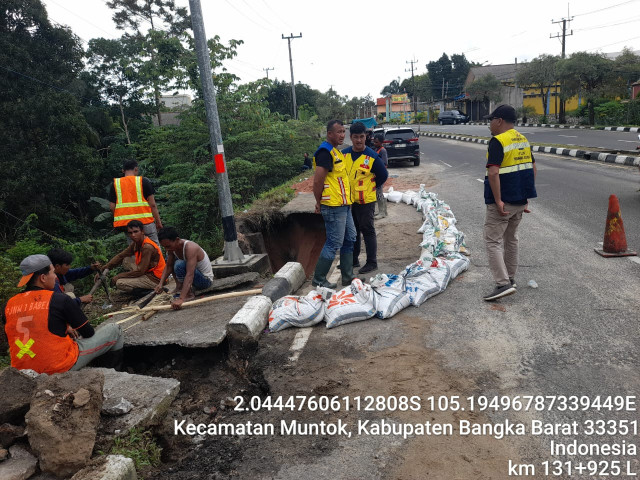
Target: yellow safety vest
x=337, y=191
x=517, y=152
x=361, y=179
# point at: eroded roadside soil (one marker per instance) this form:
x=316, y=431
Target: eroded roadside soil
x=380, y=358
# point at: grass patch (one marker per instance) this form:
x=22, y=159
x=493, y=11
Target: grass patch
x=5, y=361
x=139, y=446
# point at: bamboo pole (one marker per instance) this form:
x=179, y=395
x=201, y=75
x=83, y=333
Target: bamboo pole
x=191, y=303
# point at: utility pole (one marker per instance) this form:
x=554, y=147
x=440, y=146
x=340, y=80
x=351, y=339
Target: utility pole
x=232, y=252
x=293, y=85
x=413, y=86
x=563, y=35
x=267, y=71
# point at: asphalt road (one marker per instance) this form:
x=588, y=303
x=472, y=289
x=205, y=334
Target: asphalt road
x=561, y=136
x=577, y=333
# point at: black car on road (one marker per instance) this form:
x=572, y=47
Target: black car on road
x=401, y=145
x=453, y=117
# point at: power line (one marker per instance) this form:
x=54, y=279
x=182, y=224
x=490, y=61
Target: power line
x=81, y=18
x=635, y=19
x=605, y=8
x=247, y=17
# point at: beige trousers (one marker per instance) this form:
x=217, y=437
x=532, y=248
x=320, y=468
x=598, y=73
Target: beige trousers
x=128, y=284
x=501, y=241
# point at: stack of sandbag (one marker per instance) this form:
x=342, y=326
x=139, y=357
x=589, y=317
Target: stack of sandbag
x=393, y=196
x=390, y=294
x=351, y=304
x=293, y=311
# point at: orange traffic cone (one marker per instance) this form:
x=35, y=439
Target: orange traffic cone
x=615, y=241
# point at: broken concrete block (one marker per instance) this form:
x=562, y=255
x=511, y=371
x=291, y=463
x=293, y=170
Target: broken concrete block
x=16, y=395
x=276, y=288
x=20, y=466
x=294, y=272
x=111, y=467
x=9, y=434
x=63, y=436
x=150, y=397
x=116, y=406
x=4, y=454
x=252, y=318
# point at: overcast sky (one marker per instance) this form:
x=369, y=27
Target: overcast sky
x=359, y=47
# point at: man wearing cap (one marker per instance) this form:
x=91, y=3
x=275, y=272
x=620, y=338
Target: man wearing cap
x=131, y=197
x=508, y=185
x=47, y=331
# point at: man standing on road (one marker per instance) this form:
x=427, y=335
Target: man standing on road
x=382, y=153
x=333, y=200
x=131, y=197
x=366, y=173
x=508, y=185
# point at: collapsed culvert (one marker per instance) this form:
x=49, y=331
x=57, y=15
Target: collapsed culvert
x=293, y=237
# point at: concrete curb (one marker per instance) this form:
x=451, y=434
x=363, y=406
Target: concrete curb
x=252, y=318
x=294, y=272
x=579, y=127
x=277, y=288
x=602, y=157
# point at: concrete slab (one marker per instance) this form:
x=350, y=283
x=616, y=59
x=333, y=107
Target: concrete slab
x=201, y=326
x=257, y=263
x=230, y=282
x=150, y=397
x=301, y=203
x=20, y=466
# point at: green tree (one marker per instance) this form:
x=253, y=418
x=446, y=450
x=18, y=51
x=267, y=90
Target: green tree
x=626, y=69
x=393, y=88
x=49, y=166
x=485, y=89
x=331, y=105
x=422, y=84
x=541, y=74
x=587, y=74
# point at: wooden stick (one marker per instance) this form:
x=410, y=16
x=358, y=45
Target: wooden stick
x=245, y=293
x=128, y=318
x=256, y=291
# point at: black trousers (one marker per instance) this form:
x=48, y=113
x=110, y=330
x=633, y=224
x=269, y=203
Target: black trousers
x=363, y=219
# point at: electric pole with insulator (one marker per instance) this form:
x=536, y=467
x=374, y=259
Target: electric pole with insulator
x=293, y=85
x=564, y=34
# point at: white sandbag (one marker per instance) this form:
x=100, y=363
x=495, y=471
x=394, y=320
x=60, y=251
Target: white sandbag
x=395, y=197
x=293, y=311
x=458, y=263
x=423, y=281
x=390, y=295
x=408, y=196
x=351, y=304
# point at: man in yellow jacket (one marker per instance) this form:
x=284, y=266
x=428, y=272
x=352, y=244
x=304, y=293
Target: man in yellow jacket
x=333, y=200
x=366, y=173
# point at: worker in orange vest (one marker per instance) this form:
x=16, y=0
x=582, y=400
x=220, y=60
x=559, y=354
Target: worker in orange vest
x=149, y=262
x=47, y=330
x=131, y=197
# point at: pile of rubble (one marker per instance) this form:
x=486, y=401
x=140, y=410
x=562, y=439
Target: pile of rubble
x=51, y=425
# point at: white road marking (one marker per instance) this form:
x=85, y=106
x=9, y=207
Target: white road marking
x=569, y=136
x=480, y=180
x=299, y=341
x=634, y=259
x=445, y=163
x=629, y=141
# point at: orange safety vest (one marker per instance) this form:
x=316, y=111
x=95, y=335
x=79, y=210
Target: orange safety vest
x=31, y=344
x=130, y=203
x=157, y=270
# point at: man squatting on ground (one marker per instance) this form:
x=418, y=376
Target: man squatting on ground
x=131, y=197
x=378, y=146
x=188, y=262
x=149, y=262
x=47, y=330
x=508, y=185
x=333, y=200
x=61, y=260
x=366, y=173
